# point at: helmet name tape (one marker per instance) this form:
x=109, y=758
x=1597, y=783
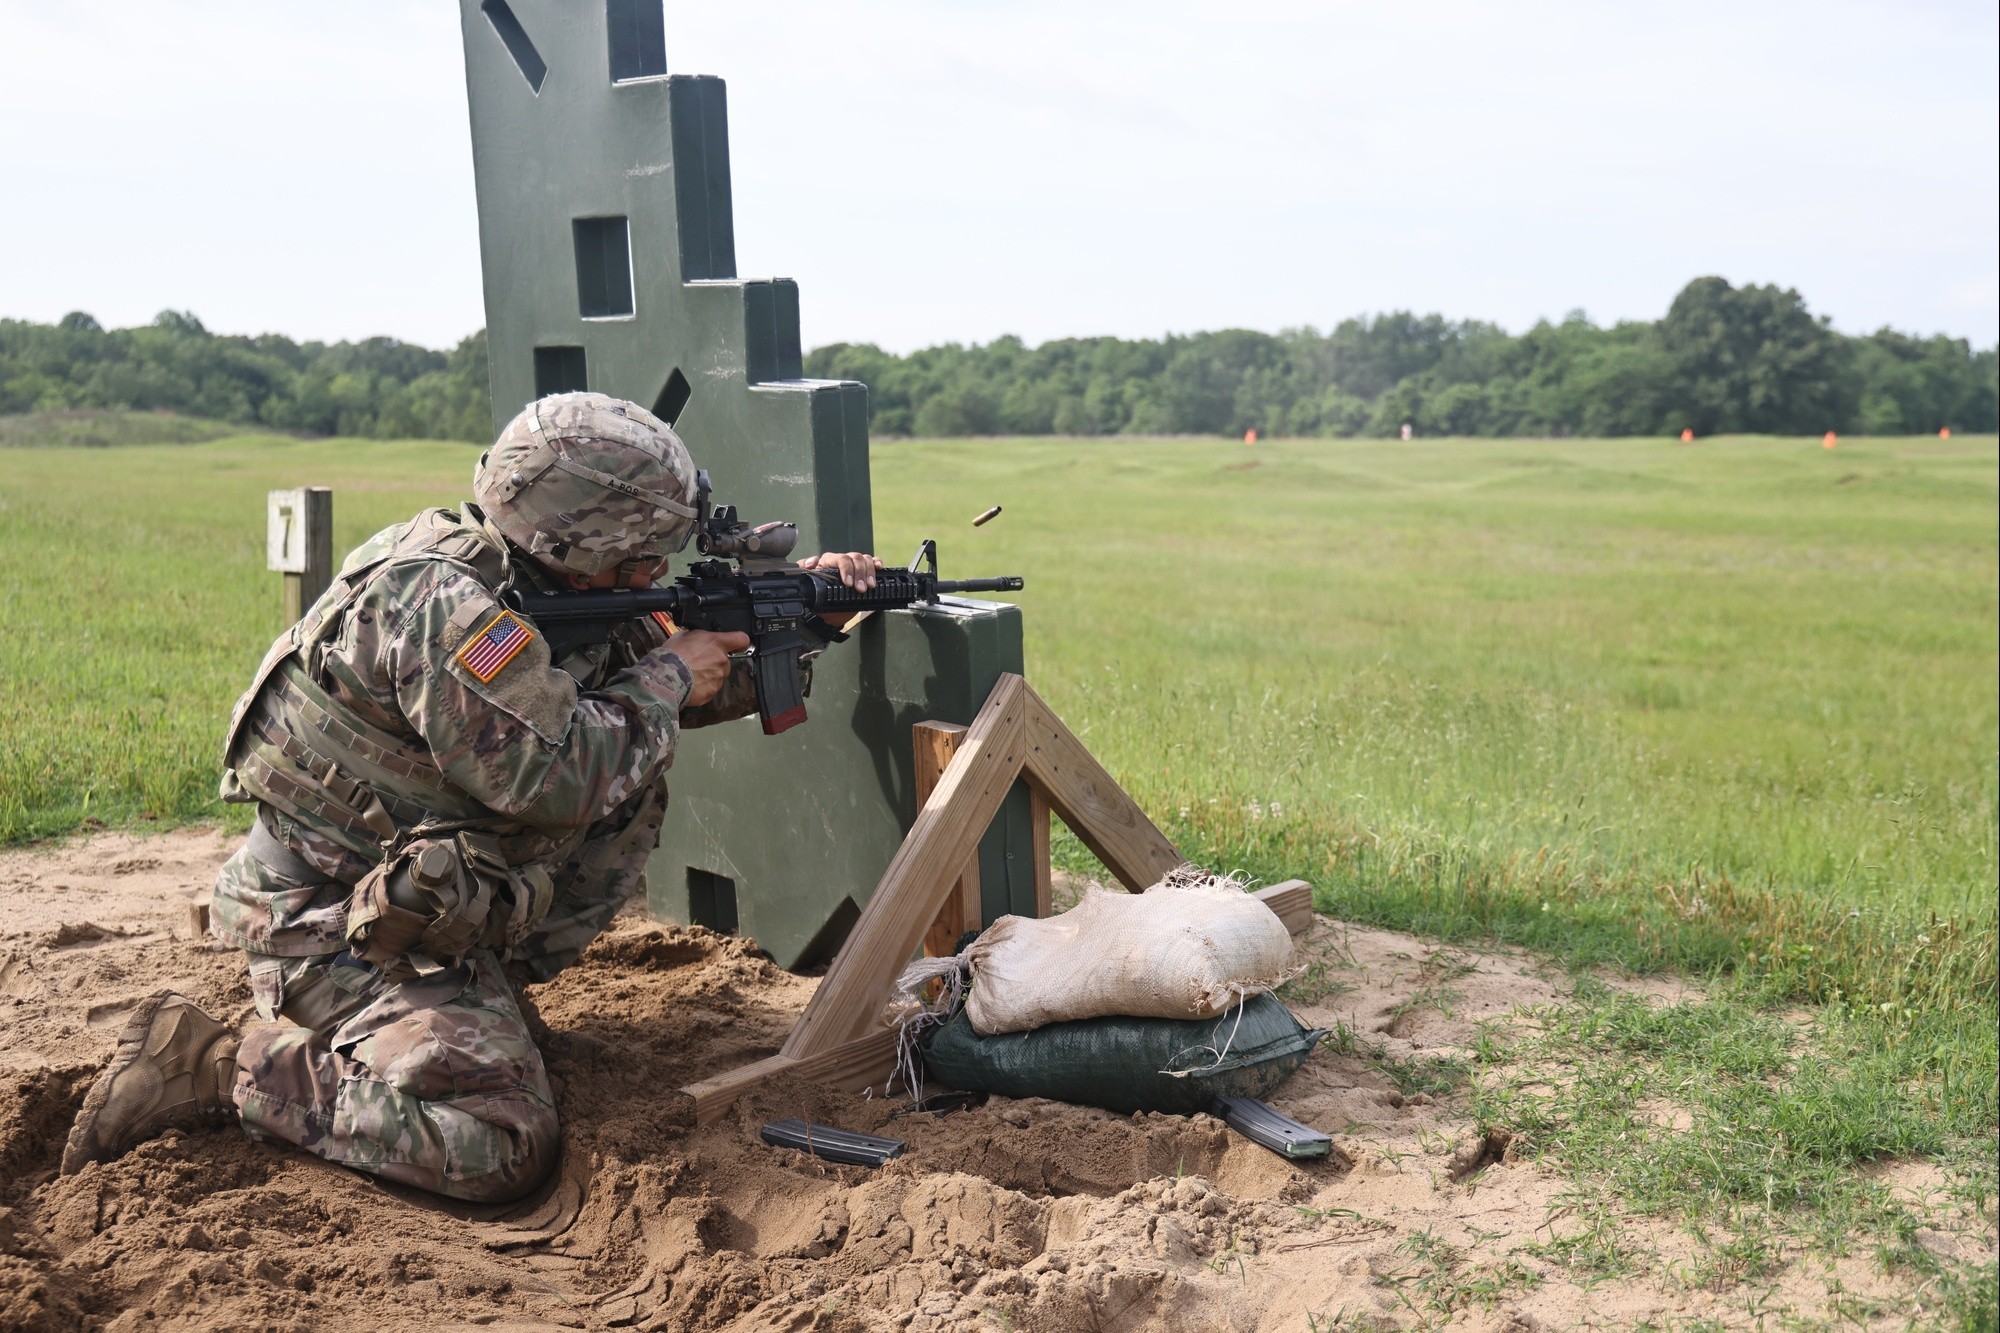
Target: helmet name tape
x=611, y=483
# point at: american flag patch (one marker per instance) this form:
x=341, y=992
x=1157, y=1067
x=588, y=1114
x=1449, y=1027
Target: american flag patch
x=495, y=646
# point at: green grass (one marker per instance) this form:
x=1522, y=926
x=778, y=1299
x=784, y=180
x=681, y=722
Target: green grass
x=1632, y=701
x=1758, y=1131
x=1709, y=1105
x=1695, y=706
x=135, y=605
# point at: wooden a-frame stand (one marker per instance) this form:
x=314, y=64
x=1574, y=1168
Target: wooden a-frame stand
x=839, y=1039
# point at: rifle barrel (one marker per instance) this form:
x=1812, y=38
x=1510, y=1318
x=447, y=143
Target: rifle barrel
x=1008, y=583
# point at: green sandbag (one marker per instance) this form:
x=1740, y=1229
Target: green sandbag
x=1129, y=1064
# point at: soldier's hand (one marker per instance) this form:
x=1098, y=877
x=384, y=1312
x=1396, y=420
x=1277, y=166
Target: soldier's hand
x=707, y=656
x=856, y=569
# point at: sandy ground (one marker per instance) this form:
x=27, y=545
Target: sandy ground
x=1010, y=1215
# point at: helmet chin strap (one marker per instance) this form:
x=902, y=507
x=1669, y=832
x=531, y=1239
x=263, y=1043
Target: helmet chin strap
x=630, y=574
x=649, y=567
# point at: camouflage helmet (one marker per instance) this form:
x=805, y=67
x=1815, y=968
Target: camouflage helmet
x=585, y=482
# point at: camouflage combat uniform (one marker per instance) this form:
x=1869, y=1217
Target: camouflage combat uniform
x=379, y=711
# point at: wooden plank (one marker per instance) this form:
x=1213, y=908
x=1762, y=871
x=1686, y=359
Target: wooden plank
x=864, y=1062
x=1292, y=901
x=712, y=1096
x=935, y=743
x=1038, y=830
x=946, y=834
x=1094, y=806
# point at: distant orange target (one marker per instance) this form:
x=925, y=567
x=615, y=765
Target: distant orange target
x=1828, y=440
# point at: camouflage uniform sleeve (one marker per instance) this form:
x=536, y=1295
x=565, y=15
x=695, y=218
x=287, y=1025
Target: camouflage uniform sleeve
x=635, y=638
x=592, y=883
x=513, y=731
x=736, y=699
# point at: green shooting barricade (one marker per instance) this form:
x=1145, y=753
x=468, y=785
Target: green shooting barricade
x=607, y=241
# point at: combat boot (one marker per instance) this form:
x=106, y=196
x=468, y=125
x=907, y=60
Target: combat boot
x=174, y=1067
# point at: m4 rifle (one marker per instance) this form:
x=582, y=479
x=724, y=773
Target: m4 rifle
x=763, y=594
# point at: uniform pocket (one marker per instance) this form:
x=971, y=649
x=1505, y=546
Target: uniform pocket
x=440, y=1046
x=267, y=984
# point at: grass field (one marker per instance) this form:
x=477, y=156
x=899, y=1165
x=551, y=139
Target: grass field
x=1726, y=707
x=1700, y=674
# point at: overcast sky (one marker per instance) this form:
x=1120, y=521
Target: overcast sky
x=950, y=170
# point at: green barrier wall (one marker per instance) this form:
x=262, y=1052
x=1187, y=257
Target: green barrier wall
x=607, y=241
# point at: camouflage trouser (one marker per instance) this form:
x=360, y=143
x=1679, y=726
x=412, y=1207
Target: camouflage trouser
x=433, y=1082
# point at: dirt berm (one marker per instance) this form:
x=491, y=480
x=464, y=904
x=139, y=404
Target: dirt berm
x=1015, y=1214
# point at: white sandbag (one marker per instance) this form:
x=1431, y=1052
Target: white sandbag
x=1190, y=947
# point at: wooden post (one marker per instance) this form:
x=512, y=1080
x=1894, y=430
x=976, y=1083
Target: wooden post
x=299, y=544
x=197, y=914
x=1038, y=833
x=935, y=744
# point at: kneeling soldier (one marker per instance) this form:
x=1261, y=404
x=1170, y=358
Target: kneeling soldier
x=444, y=815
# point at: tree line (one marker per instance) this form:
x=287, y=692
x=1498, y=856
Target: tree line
x=379, y=388
x=1723, y=359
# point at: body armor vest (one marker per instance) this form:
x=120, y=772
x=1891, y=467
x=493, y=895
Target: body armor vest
x=293, y=746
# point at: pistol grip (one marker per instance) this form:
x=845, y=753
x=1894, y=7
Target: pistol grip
x=780, y=705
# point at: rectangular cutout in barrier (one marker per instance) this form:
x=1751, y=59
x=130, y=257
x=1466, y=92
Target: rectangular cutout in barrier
x=560, y=370
x=702, y=195
x=712, y=901
x=637, y=34
x=603, y=267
